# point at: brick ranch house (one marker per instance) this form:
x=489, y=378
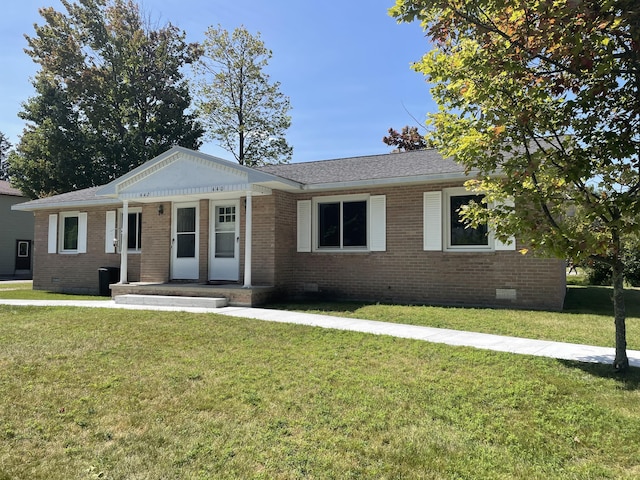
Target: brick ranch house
x=379, y=228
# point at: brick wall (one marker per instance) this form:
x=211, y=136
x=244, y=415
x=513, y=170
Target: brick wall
x=76, y=273
x=156, y=243
x=405, y=273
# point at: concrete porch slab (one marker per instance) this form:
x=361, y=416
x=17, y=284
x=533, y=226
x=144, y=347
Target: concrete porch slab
x=171, y=301
x=236, y=295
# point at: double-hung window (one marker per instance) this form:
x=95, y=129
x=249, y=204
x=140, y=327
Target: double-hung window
x=444, y=229
x=459, y=234
x=134, y=234
x=67, y=232
x=343, y=223
x=113, y=230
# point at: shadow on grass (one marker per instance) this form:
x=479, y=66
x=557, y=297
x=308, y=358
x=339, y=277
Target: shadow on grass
x=629, y=380
x=319, y=305
x=597, y=300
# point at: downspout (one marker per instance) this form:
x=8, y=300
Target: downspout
x=124, y=242
x=247, y=241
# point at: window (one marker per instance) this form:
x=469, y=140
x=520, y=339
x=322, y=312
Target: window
x=460, y=234
x=134, y=234
x=342, y=223
x=445, y=230
x=67, y=233
x=113, y=231
x=225, y=232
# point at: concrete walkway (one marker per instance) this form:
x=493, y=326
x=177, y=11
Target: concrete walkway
x=541, y=348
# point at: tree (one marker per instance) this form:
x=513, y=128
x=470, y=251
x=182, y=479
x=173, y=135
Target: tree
x=409, y=139
x=5, y=146
x=547, y=93
x=236, y=102
x=110, y=94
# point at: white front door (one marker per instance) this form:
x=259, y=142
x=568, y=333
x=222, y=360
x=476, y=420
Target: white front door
x=225, y=241
x=184, y=241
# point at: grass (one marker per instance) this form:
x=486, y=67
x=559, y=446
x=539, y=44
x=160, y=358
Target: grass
x=99, y=393
x=25, y=291
x=587, y=318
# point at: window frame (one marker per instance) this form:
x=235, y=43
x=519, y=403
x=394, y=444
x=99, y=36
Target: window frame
x=81, y=232
x=448, y=194
x=137, y=211
x=341, y=199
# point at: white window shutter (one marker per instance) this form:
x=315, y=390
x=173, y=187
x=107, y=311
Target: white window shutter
x=432, y=221
x=82, y=232
x=378, y=223
x=110, y=232
x=53, y=234
x=511, y=243
x=304, y=226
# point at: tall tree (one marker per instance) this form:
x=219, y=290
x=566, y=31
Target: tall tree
x=5, y=146
x=408, y=139
x=110, y=94
x=548, y=93
x=239, y=106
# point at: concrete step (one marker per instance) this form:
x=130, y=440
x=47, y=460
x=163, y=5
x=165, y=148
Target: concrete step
x=171, y=301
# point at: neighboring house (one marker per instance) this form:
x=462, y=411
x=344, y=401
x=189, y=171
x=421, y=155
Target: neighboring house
x=378, y=228
x=16, y=235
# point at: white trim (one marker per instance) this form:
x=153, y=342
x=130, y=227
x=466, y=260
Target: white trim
x=110, y=233
x=119, y=225
x=304, y=226
x=53, y=234
x=124, y=234
x=81, y=234
x=224, y=268
x=185, y=268
x=378, y=223
x=247, y=241
x=449, y=193
x=315, y=201
x=432, y=221
x=510, y=245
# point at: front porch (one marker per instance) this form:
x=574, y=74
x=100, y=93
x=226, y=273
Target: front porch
x=236, y=295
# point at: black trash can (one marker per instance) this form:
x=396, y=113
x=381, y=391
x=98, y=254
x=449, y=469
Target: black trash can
x=107, y=276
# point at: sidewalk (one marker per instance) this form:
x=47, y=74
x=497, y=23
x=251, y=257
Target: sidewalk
x=541, y=348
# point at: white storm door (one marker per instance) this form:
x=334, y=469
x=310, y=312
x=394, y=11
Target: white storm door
x=224, y=255
x=184, y=241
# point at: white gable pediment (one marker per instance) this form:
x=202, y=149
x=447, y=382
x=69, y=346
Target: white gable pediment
x=180, y=172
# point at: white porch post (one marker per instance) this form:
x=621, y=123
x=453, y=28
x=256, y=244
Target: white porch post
x=124, y=242
x=247, y=242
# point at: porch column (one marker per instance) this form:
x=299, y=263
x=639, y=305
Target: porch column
x=124, y=242
x=247, y=242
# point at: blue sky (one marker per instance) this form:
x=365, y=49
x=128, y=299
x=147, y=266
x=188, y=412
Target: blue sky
x=344, y=64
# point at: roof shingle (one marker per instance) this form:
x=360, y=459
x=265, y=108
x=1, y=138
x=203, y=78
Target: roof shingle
x=7, y=189
x=373, y=167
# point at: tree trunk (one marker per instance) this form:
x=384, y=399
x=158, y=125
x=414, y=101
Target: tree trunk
x=621, y=362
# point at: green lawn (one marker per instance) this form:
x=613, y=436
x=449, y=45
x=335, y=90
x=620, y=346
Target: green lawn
x=25, y=291
x=587, y=318
x=100, y=393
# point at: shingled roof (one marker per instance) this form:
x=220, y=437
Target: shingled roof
x=391, y=168
x=7, y=189
x=83, y=197
x=402, y=165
